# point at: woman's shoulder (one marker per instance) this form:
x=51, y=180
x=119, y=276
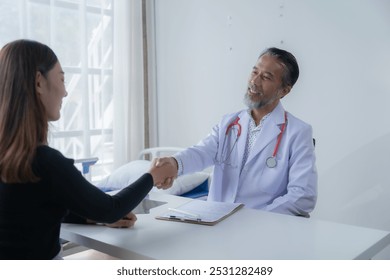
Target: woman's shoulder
x=48, y=154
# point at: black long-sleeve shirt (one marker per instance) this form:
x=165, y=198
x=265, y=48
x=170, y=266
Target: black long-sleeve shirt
x=31, y=213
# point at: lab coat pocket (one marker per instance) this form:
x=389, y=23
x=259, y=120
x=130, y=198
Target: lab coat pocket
x=229, y=163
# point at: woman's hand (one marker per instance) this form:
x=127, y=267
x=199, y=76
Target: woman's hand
x=126, y=222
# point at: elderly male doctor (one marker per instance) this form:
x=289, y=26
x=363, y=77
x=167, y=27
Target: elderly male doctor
x=263, y=156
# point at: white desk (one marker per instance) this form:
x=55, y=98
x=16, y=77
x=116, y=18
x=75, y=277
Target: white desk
x=247, y=234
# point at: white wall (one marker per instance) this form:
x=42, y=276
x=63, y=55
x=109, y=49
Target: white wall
x=205, y=52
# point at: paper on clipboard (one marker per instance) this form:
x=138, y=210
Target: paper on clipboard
x=201, y=212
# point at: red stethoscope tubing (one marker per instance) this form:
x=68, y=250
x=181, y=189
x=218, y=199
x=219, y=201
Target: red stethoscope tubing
x=280, y=135
x=271, y=161
x=235, y=122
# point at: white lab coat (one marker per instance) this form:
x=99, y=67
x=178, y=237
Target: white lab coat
x=290, y=187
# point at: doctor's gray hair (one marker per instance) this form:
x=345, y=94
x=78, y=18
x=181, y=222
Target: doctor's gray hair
x=290, y=63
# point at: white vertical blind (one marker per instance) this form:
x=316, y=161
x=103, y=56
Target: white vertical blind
x=128, y=80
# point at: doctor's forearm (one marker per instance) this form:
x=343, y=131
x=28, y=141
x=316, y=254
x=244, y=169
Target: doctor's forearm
x=293, y=204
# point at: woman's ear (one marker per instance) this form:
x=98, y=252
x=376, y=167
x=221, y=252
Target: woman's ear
x=39, y=82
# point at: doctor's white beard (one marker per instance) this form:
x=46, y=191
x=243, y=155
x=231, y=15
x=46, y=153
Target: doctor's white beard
x=259, y=104
x=252, y=104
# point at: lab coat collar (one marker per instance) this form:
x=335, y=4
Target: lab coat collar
x=269, y=131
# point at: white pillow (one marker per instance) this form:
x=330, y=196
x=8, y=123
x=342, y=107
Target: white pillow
x=125, y=175
x=185, y=183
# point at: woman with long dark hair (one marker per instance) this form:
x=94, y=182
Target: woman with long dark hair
x=38, y=185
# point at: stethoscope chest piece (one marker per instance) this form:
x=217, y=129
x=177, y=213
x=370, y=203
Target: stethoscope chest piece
x=271, y=162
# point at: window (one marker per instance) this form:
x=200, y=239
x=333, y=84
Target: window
x=81, y=34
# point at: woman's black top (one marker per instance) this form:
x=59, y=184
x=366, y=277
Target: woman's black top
x=31, y=213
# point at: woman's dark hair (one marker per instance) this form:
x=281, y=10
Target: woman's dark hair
x=290, y=63
x=23, y=118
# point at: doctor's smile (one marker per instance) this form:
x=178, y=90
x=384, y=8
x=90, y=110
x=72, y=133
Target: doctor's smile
x=253, y=91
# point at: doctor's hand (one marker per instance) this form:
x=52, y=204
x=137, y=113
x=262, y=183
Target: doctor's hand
x=164, y=172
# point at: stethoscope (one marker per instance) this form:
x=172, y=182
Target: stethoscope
x=271, y=161
x=229, y=129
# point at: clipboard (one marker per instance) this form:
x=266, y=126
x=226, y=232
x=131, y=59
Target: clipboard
x=201, y=212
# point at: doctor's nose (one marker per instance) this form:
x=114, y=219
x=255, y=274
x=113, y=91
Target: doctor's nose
x=255, y=79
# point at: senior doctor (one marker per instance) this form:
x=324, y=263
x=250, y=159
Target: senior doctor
x=263, y=156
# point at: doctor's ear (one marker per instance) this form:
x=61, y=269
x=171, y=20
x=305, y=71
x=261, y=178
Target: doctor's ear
x=284, y=91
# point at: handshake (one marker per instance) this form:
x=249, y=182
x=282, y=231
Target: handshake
x=164, y=172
